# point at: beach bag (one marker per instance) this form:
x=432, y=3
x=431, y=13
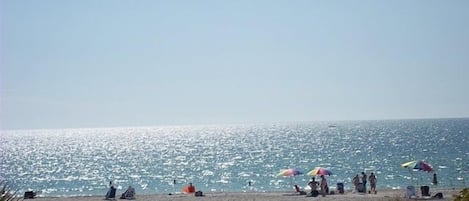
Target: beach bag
x=199, y=194
x=29, y=195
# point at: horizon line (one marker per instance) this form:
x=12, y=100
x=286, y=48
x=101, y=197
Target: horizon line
x=231, y=123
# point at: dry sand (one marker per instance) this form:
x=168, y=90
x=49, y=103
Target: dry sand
x=383, y=195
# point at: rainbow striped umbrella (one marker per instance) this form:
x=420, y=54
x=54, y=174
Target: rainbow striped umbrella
x=290, y=172
x=319, y=171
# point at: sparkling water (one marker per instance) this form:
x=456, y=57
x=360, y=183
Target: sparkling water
x=226, y=158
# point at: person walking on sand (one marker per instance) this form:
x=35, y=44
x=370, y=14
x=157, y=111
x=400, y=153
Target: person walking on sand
x=323, y=185
x=373, y=180
x=356, y=181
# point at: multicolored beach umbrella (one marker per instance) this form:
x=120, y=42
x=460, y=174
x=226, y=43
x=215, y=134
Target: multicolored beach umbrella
x=290, y=172
x=319, y=171
x=418, y=165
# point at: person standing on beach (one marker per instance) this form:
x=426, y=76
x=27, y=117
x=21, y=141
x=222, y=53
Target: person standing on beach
x=323, y=185
x=364, y=177
x=356, y=181
x=435, y=181
x=373, y=180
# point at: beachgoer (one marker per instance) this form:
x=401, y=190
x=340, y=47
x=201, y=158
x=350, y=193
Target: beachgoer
x=323, y=185
x=189, y=189
x=435, y=181
x=298, y=190
x=364, y=177
x=313, y=185
x=373, y=180
x=356, y=181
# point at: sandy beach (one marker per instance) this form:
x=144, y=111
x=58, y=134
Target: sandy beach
x=383, y=195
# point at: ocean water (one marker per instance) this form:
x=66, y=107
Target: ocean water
x=224, y=158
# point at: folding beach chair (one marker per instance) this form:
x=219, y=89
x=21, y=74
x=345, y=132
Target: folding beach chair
x=410, y=192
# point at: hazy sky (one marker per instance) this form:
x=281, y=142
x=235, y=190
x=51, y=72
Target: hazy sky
x=105, y=63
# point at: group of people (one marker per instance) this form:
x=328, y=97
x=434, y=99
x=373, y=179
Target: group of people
x=364, y=180
x=323, y=189
x=322, y=185
x=128, y=194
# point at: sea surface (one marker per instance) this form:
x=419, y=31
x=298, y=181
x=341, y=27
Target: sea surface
x=225, y=158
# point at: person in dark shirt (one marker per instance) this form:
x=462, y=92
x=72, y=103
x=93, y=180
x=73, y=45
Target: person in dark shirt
x=364, y=178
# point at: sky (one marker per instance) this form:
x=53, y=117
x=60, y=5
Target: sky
x=119, y=63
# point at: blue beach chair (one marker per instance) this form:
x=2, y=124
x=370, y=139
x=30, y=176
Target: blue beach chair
x=410, y=192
